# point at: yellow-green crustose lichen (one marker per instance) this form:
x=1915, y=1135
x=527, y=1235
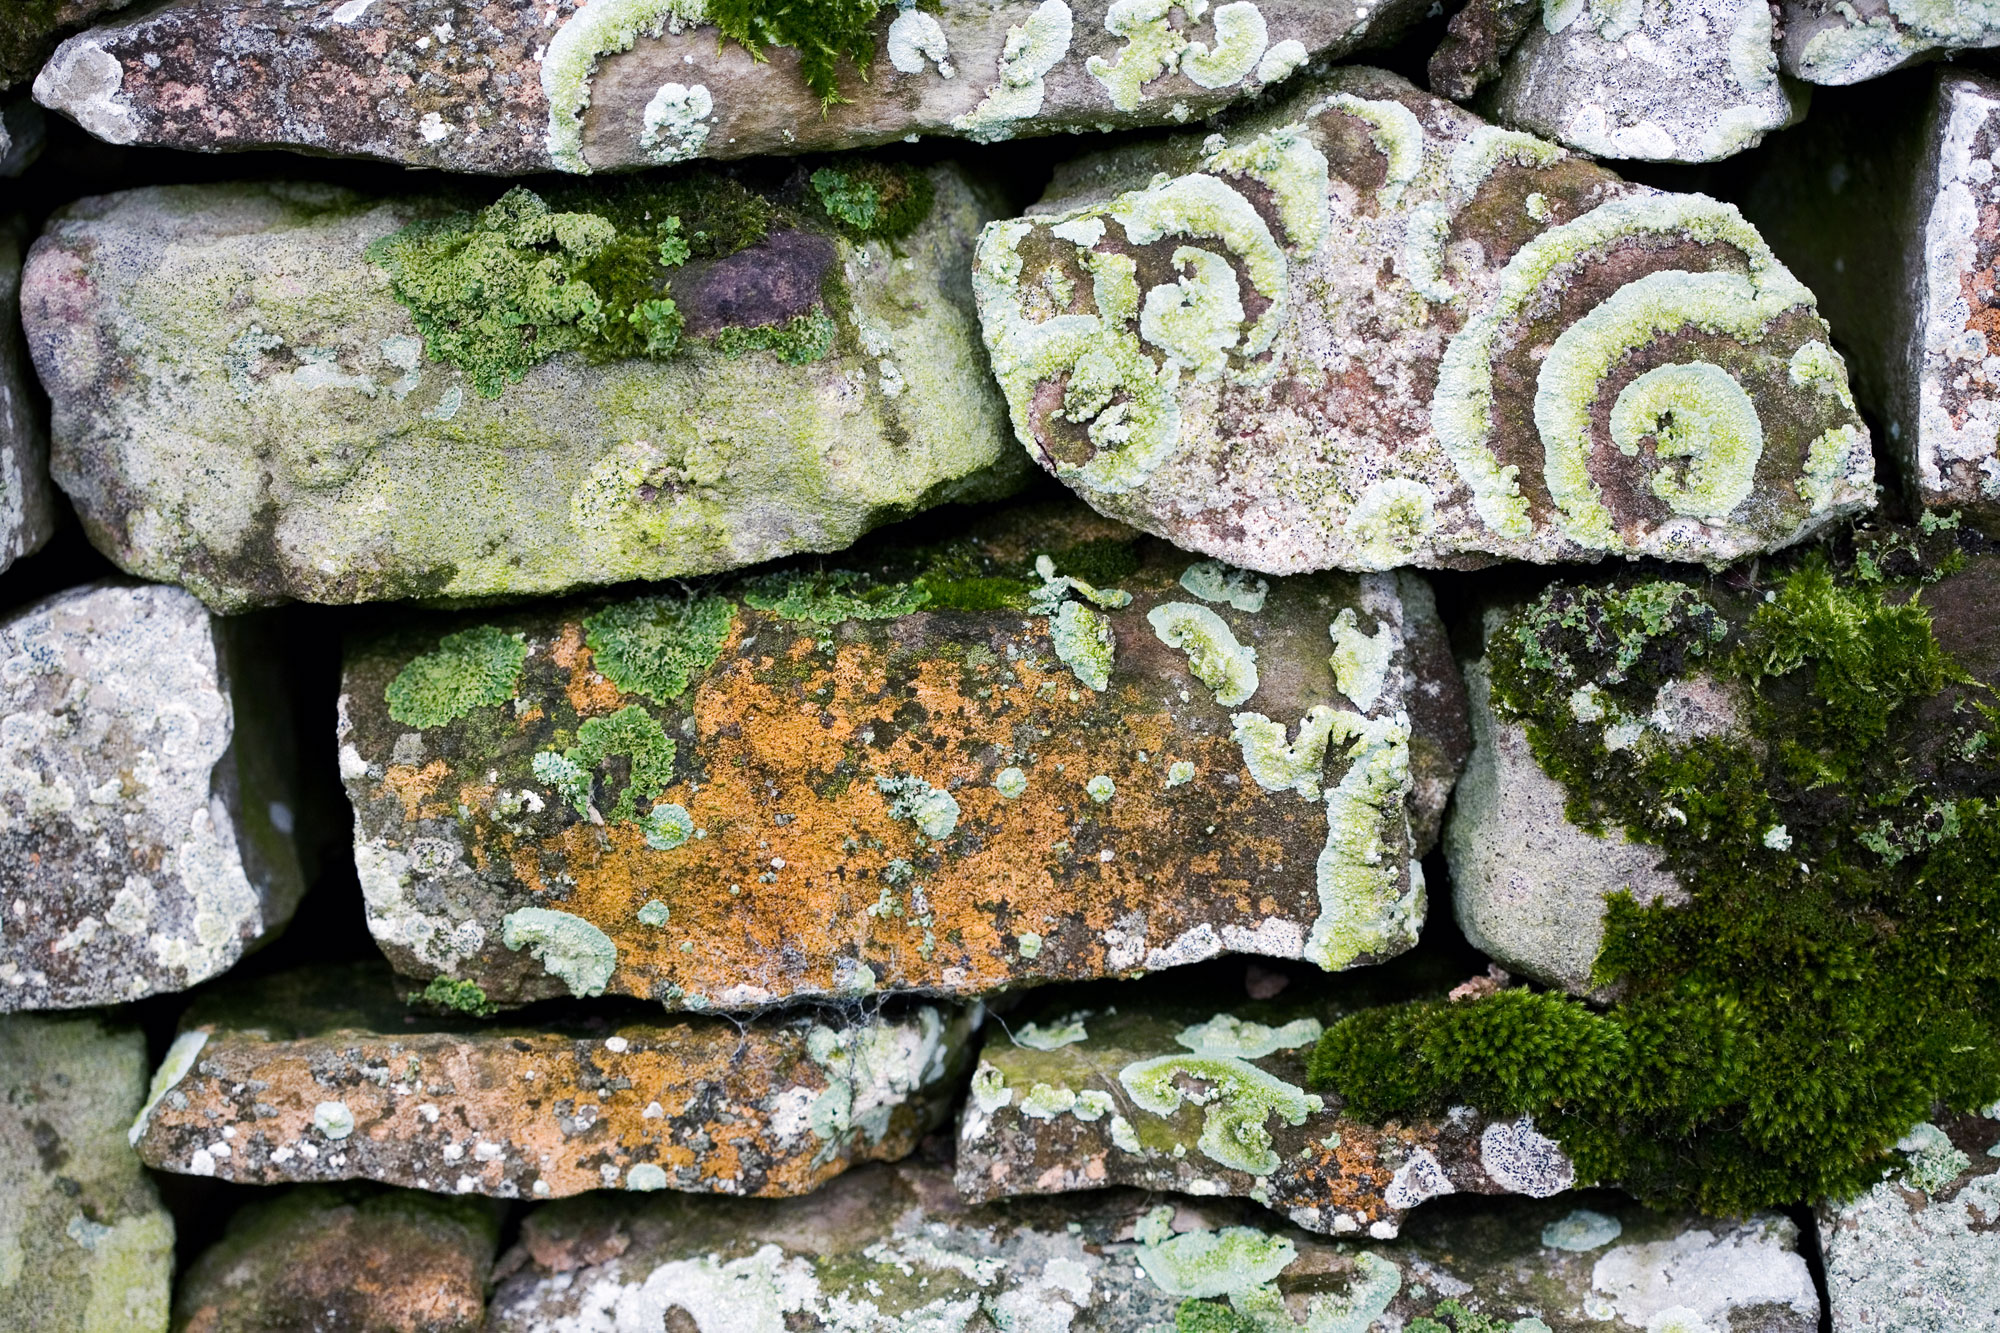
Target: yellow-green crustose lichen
x=1370, y=897
x=1080, y=633
x=1239, y=1098
x=1154, y=47
x=567, y=946
x=1030, y=51
x=470, y=669
x=1214, y=656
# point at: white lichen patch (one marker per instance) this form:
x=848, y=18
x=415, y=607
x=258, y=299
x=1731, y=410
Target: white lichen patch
x=1228, y=1035
x=1029, y=53
x=1215, y=658
x=566, y=945
x=1236, y=1097
x=570, y=61
x=676, y=122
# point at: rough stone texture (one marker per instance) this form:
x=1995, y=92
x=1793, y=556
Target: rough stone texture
x=345, y=1259
x=1848, y=41
x=327, y=1075
x=1446, y=360
x=936, y=800
x=891, y=1249
x=21, y=135
x=27, y=498
x=33, y=28
x=510, y=87
x=1705, y=87
x=1476, y=45
x=1920, y=1253
x=85, y=1246
x=1175, y=1097
x=146, y=797
x=240, y=406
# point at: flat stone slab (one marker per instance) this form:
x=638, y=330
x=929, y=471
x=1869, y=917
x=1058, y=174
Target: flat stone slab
x=146, y=797
x=329, y=1074
x=30, y=35
x=1184, y=1098
x=1707, y=87
x=1836, y=42
x=84, y=1244
x=628, y=84
x=27, y=496
x=947, y=768
x=243, y=405
x=1920, y=1251
x=1363, y=329
x=348, y=1257
x=892, y=1248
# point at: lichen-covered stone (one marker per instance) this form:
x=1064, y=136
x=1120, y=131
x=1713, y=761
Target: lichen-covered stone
x=345, y=1259
x=146, y=797
x=328, y=1075
x=1046, y=750
x=629, y=84
x=34, y=26
x=243, y=405
x=85, y=1246
x=1920, y=1253
x=1848, y=41
x=1706, y=88
x=892, y=1249
x=1363, y=329
x=1177, y=1097
x=1476, y=44
x=27, y=498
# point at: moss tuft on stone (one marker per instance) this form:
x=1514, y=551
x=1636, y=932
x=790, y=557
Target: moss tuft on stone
x=827, y=597
x=824, y=33
x=468, y=670
x=449, y=993
x=870, y=200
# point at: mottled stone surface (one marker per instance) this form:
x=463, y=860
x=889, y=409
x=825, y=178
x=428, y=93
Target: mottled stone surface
x=1838, y=41
x=27, y=497
x=1476, y=45
x=1706, y=87
x=976, y=779
x=242, y=406
x=328, y=1075
x=146, y=797
x=891, y=1249
x=345, y=1259
x=33, y=28
x=1176, y=1096
x=85, y=1246
x=1363, y=329
x=1920, y=1252
x=511, y=87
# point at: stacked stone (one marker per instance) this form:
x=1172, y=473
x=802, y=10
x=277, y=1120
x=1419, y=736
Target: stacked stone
x=930, y=710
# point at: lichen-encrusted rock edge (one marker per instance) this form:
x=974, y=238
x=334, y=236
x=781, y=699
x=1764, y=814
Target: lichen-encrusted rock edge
x=27, y=496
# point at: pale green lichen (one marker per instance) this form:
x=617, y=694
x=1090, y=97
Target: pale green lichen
x=1361, y=662
x=1152, y=46
x=1055, y=587
x=1228, y=1035
x=1198, y=320
x=1421, y=260
x=630, y=733
x=1815, y=365
x=645, y=1177
x=1277, y=766
x=932, y=809
x=1288, y=164
x=1390, y=522
x=666, y=827
x=1101, y=788
x=1582, y=1230
x=333, y=1119
x=568, y=947
x=1091, y=1105
x=1028, y=944
x=471, y=669
x=1053, y=1035
x=1045, y=1102
x=1205, y=206
x=1241, y=37
x=1396, y=133
x=1694, y=410
x=1216, y=1263
x=1826, y=464
x=653, y=646
x=654, y=913
x=180, y=1058
x=1282, y=61
x=1010, y=782
x=1084, y=641
x=1364, y=907
x=1180, y=773
x=989, y=1089
x=1213, y=581
x=1236, y=1099
x=1031, y=50
x=1214, y=656
x=1931, y=1160
x=674, y=127
x=600, y=29
x=1487, y=147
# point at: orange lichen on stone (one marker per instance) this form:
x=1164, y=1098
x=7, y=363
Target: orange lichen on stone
x=415, y=786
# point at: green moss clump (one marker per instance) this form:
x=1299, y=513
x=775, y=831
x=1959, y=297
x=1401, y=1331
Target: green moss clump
x=464, y=997
x=870, y=200
x=1101, y=562
x=798, y=340
x=1211, y=1317
x=468, y=670
x=629, y=734
x=1836, y=972
x=823, y=32
x=827, y=597
x=654, y=645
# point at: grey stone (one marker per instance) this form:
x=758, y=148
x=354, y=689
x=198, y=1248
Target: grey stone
x=1848, y=41
x=34, y=26
x=85, y=1246
x=27, y=496
x=242, y=406
x=1657, y=80
x=1920, y=1252
x=21, y=135
x=891, y=1249
x=628, y=84
x=146, y=797
x=1476, y=44
x=1426, y=369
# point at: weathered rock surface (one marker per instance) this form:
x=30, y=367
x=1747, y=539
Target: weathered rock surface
x=85, y=1246
x=27, y=497
x=327, y=1075
x=935, y=770
x=1476, y=44
x=1178, y=1097
x=33, y=28
x=242, y=405
x=893, y=1249
x=345, y=1259
x=1468, y=344
x=515, y=87
x=1835, y=41
x=1706, y=87
x=146, y=797
x=1920, y=1252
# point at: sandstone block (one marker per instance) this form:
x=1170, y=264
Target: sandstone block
x=146, y=797
x=1363, y=329
x=85, y=1246
x=27, y=496
x=275, y=391
x=1835, y=42
x=328, y=1075
x=630, y=84
x=1043, y=750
